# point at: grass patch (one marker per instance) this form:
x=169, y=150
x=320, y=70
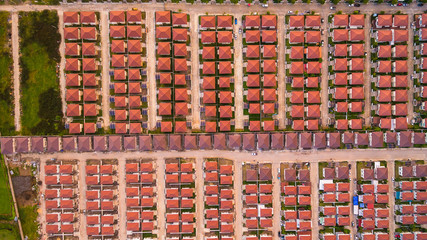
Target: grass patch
x=6, y=202
x=9, y=231
x=40, y=100
x=6, y=101
x=28, y=215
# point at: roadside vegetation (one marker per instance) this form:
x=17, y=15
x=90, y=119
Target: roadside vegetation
x=8, y=227
x=7, y=127
x=40, y=100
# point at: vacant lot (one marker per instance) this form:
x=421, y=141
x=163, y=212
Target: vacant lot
x=28, y=215
x=6, y=202
x=6, y=105
x=41, y=101
x=8, y=227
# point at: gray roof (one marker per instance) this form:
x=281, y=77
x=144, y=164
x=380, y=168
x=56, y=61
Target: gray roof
x=249, y=142
x=52, y=144
x=175, y=142
x=377, y=139
x=99, y=143
x=391, y=137
x=277, y=141
x=404, y=139
x=362, y=139
x=291, y=142
x=348, y=138
x=334, y=140
x=7, y=145
x=263, y=141
x=419, y=138
x=205, y=142
x=160, y=142
x=21, y=144
x=145, y=143
x=319, y=140
x=114, y=143
x=69, y=143
x=190, y=142
x=234, y=141
x=305, y=140
x=219, y=141
x=37, y=144
x=265, y=174
x=129, y=143
x=84, y=143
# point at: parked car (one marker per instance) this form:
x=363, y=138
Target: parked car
x=235, y=21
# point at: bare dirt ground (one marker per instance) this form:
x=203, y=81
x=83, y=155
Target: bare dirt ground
x=200, y=203
x=276, y=201
x=195, y=78
x=391, y=200
x=23, y=190
x=238, y=73
x=105, y=54
x=62, y=62
x=324, y=95
x=367, y=75
x=281, y=83
x=410, y=69
x=238, y=206
x=314, y=179
x=16, y=71
x=151, y=71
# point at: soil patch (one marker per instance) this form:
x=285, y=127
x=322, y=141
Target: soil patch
x=23, y=190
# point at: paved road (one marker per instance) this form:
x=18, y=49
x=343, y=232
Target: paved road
x=105, y=54
x=276, y=201
x=238, y=74
x=353, y=175
x=281, y=84
x=151, y=70
x=268, y=156
x=391, y=200
x=195, y=78
x=314, y=180
x=161, y=198
x=325, y=73
x=410, y=68
x=200, y=200
x=367, y=72
x=238, y=206
x=82, y=199
x=16, y=71
x=121, y=180
x=41, y=213
x=62, y=82
x=215, y=9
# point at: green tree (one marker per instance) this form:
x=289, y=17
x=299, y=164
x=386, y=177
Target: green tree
x=335, y=1
x=321, y=1
x=393, y=2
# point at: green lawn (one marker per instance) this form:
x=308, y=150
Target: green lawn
x=6, y=202
x=6, y=104
x=9, y=231
x=41, y=80
x=40, y=98
x=28, y=216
